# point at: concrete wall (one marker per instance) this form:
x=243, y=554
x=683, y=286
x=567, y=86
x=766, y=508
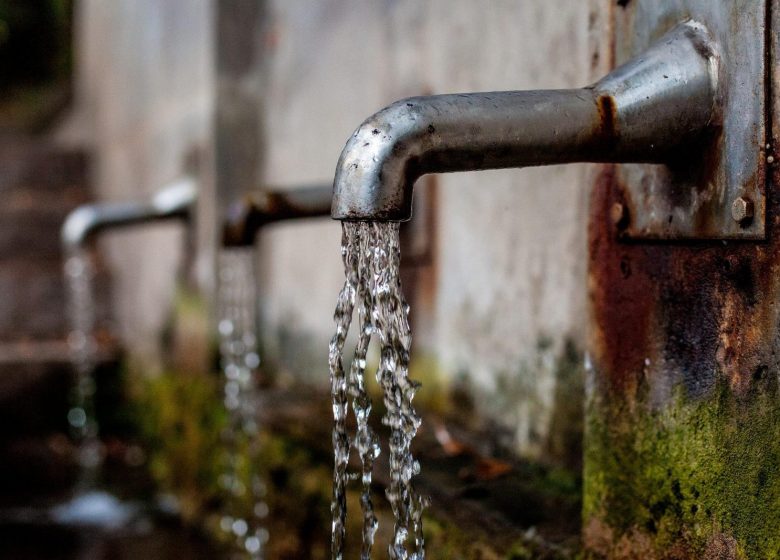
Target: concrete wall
x=509, y=262
x=144, y=96
x=505, y=287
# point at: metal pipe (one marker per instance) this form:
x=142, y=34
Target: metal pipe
x=264, y=206
x=176, y=201
x=645, y=111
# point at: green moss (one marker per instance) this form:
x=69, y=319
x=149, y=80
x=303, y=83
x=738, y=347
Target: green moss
x=182, y=418
x=687, y=474
x=564, y=439
x=189, y=338
x=444, y=540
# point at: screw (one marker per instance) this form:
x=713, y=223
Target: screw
x=742, y=210
x=618, y=214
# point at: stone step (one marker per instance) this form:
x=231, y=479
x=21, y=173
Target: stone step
x=31, y=234
x=35, y=385
x=40, y=166
x=40, y=183
x=34, y=306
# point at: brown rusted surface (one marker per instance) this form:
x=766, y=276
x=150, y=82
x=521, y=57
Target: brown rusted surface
x=699, y=307
x=258, y=209
x=236, y=230
x=607, y=125
x=631, y=304
x=677, y=312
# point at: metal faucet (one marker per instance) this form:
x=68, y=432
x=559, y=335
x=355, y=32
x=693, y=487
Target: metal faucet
x=649, y=110
x=263, y=206
x=176, y=201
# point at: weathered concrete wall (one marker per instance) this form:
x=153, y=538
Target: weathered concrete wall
x=503, y=288
x=144, y=97
x=507, y=288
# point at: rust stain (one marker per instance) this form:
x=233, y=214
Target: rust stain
x=235, y=225
x=607, y=125
x=253, y=212
x=673, y=312
x=619, y=295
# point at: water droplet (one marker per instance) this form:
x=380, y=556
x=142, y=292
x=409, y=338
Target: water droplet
x=225, y=327
x=252, y=545
x=77, y=417
x=239, y=527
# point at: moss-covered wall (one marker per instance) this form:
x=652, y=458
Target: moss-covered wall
x=693, y=479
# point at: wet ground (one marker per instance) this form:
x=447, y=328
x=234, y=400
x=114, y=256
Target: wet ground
x=485, y=502
x=146, y=540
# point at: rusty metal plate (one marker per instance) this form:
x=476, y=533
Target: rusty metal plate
x=706, y=196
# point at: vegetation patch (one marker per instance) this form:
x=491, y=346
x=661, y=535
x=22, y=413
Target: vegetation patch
x=693, y=479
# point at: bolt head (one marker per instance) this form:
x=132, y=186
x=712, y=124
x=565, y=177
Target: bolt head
x=618, y=214
x=742, y=210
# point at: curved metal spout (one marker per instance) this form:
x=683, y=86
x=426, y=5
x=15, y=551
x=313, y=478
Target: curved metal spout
x=643, y=112
x=264, y=206
x=172, y=202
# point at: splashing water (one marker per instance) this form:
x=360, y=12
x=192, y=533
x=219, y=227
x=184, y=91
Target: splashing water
x=79, y=277
x=371, y=255
x=245, y=506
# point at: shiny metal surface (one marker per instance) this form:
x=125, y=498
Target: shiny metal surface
x=175, y=201
x=661, y=105
x=264, y=206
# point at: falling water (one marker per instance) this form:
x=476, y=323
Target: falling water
x=371, y=255
x=89, y=505
x=238, y=350
x=79, y=275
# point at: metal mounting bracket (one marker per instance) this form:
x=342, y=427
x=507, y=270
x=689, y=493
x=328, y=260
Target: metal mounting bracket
x=719, y=193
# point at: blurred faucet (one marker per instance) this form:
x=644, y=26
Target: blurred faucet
x=264, y=206
x=175, y=201
x=650, y=110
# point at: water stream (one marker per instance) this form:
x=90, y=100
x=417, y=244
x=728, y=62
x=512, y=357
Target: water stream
x=79, y=277
x=371, y=254
x=245, y=507
x=89, y=505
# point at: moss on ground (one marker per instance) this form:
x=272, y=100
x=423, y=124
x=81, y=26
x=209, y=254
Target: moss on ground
x=530, y=510
x=181, y=419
